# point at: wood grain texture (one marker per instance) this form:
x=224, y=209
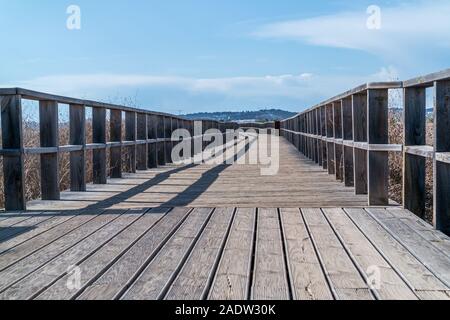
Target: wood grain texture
x=153, y=282
x=116, y=279
x=193, y=281
x=344, y=277
x=232, y=280
x=270, y=278
x=307, y=278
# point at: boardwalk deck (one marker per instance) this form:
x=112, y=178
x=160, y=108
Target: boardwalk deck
x=221, y=232
x=201, y=253
x=298, y=183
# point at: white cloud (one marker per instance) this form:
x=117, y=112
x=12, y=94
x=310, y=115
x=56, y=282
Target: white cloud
x=405, y=30
x=283, y=85
x=294, y=91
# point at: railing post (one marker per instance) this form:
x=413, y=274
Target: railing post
x=78, y=138
x=141, y=148
x=347, y=135
x=330, y=145
x=323, y=126
x=13, y=171
x=49, y=137
x=152, y=146
x=99, y=136
x=168, y=137
x=161, y=143
x=116, y=136
x=338, y=152
x=130, y=136
x=359, y=109
x=415, y=135
x=378, y=161
x=318, y=140
x=442, y=145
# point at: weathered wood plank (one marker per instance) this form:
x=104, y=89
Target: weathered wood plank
x=100, y=261
x=32, y=262
x=270, y=278
x=12, y=138
x=152, y=283
x=116, y=136
x=99, y=136
x=343, y=276
x=113, y=283
x=401, y=259
x=383, y=279
x=77, y=138
x=232, y=280
x=429, y=255
x=193, y=281
x=308, y=281
x=441, y=205
x=32, y=285
x=49, y=137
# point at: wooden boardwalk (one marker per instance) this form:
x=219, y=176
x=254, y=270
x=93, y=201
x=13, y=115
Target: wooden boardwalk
x=299, y=183
x=221, y=232
x=223, y=253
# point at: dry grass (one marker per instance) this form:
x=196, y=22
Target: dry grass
x=32, y=163
x=396, y=165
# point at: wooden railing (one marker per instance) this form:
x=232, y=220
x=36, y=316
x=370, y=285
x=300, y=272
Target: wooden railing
x=148, y=138
x=348, y=136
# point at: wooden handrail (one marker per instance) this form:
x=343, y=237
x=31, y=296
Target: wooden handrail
x=348, y=136
x=148, y=140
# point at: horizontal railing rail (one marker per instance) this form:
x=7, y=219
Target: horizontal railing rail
x=348, y=136
x=147, y=138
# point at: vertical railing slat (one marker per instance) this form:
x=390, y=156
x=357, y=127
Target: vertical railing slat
x=414, y=165
x=49, y=137
x=99, y=136
x=78, y=138
x=13, y=170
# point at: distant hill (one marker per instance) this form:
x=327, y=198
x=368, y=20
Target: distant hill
x=244, y=116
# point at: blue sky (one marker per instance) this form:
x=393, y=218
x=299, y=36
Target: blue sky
x=187, y=56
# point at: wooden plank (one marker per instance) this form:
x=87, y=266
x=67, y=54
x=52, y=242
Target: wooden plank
x=378, y=161
x=441, y=203
x=30, y=286
x=31, y=263
x=428, y=254
x=101, y=260
x=116, y=136
x=49, y=137
x=43, y=227
x=168, y=143
x=130, y=135
x=411, y=269
x=6, y=233
x=193, y=281
x=142, y=149
x=344, y=278
x=161, y=145
x=387, y=284
x=113, y=283
x=99, y=137
x=269, y=276
x=12, y=138
x=414, y=184
x=414, y=134
x=308, y=281
x=152, y=283
x=152, y=147
x=78, y=138
x=20, y=252
x=232, y=280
